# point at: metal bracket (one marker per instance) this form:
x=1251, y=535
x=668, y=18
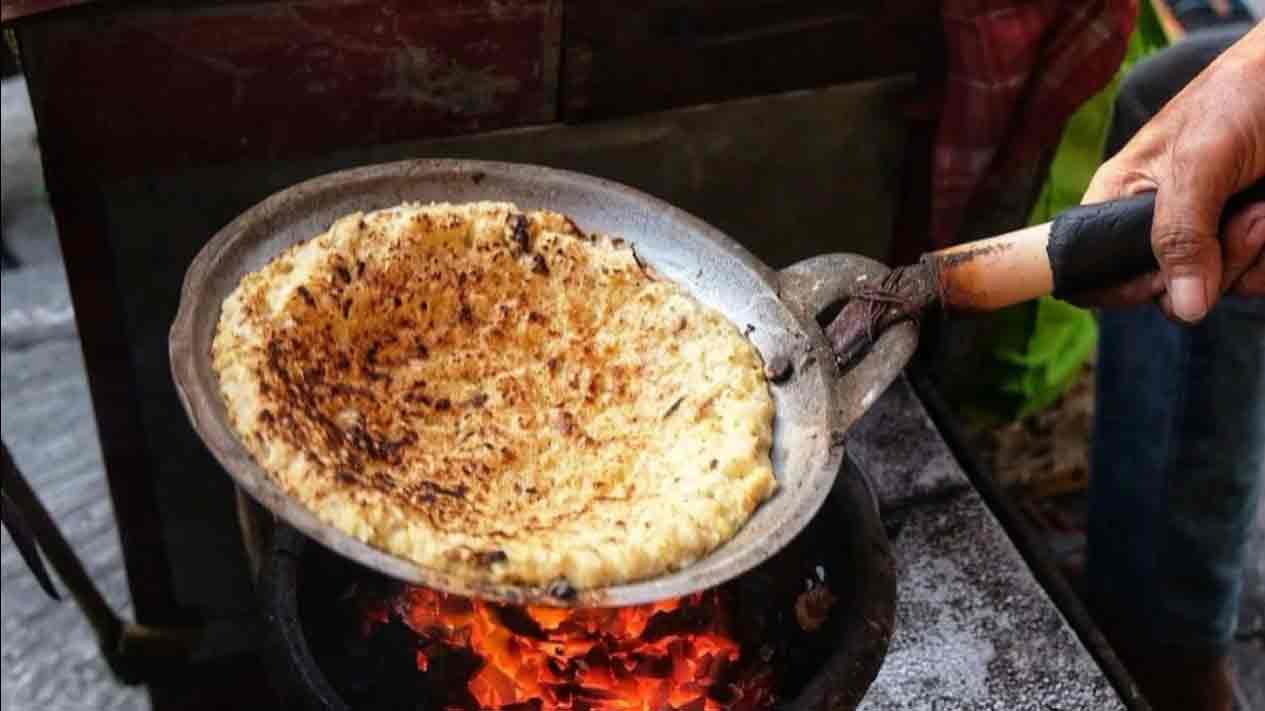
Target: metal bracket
x=135, y=652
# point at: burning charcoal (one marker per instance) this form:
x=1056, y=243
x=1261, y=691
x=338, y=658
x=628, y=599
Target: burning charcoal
x=698, y=704
x=427, y=649
x=724, y=694
x=529, y=705
x=518, y=621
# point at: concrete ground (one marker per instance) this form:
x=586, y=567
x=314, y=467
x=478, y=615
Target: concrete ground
x=49, y=656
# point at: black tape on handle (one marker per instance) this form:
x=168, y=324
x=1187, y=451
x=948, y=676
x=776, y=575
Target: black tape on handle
x=1100, y=245
x=1108, y=243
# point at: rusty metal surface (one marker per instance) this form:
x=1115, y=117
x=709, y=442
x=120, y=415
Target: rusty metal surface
x=814, y=405
x=11, y=10
x=721, y=49
x=200, y=83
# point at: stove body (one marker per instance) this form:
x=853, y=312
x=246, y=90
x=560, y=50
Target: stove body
x=812, y=625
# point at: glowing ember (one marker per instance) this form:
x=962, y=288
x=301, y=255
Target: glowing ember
x=668, y=655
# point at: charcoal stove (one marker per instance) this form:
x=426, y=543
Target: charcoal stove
x=808, y=629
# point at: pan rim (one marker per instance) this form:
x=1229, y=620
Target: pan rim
x=717, y=567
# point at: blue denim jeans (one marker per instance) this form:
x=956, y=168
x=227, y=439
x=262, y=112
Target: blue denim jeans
x=1178, y=454
x=1198, y=14
x=1178, y=462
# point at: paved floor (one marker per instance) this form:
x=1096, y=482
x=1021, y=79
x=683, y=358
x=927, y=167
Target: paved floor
x=48, y=653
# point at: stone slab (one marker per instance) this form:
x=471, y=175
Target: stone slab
x=899, y=449
x=974, y=629
x=49, y=657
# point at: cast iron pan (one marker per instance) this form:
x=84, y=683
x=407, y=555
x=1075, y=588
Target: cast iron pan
x=815, y=405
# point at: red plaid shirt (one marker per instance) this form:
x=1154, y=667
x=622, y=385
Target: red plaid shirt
x=1017, y=70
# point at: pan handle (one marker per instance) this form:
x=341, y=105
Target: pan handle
x=819, y=283
x=813, y=288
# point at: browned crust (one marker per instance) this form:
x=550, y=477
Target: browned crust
x=432, y=375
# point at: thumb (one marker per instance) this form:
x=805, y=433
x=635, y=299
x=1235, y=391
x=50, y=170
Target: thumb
x=1184, y=237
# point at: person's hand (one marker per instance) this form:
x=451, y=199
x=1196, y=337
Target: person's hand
x=1207, y=144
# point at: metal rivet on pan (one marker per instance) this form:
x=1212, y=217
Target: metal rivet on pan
x=838, y=438
x=778, y=369
x=561, y=589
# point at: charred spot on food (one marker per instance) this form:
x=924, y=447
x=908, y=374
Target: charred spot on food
x=465, y=314
x=539, y=265
x=443, y=404
x=477, y=400
x=343, y=273
x=307, y=296
x=360, y=268
x=274, y=362
x=574, y=229
x=535, y=317
x=345, y=477
x=371, y=354
x=457, y=492
x=673, y=408
x=681, y=325
x=266, y=417
x=519, y=232
x=390, y=449
x=488, y=559
x=349, y=391
x=347, y=309
x=778, y=369
x=714, y=463
x=566, y=422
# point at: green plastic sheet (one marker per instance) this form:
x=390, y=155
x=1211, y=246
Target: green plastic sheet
x=1039, y=347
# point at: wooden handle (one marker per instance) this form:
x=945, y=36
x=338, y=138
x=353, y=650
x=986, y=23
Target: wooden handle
x=993, y=273
x=1084, y=248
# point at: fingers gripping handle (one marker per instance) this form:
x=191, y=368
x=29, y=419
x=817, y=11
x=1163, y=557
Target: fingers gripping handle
x=1106, y=244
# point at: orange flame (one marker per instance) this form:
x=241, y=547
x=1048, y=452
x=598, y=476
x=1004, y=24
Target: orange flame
x=666, y=655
